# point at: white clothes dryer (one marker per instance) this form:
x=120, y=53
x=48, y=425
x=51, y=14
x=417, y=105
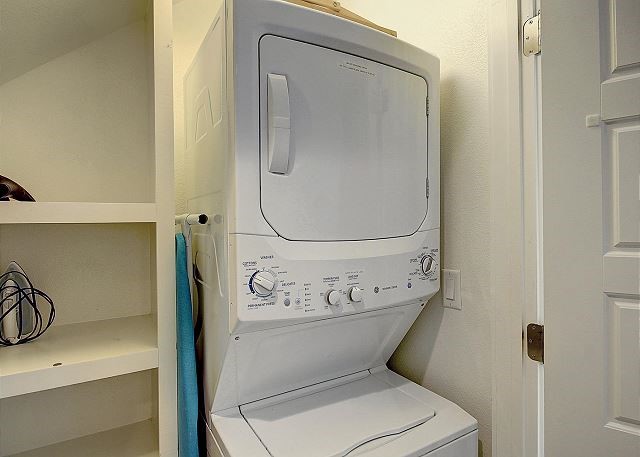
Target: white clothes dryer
x=313, y=146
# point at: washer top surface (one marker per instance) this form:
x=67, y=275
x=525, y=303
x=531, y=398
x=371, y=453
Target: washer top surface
x=335, y=421
x=451, y=430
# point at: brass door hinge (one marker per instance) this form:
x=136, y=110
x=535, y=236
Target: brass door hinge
x=531, y=37
x=535, y=342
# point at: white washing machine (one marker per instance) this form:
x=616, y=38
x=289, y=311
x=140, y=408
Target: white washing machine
x=313, y=144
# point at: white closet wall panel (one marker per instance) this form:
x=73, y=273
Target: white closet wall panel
x=52, y=416
x=92, y=272
x=77, y=128
x=33, y=33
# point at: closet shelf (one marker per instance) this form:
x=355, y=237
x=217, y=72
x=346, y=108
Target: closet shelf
x=136, y=440
x=76, y=353
x=76, y=213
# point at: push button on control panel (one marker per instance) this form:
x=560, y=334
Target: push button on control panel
x=262, y=283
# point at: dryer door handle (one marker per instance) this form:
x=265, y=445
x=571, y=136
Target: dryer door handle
x=279, y=115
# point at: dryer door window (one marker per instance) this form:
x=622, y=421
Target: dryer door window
x=343, y=144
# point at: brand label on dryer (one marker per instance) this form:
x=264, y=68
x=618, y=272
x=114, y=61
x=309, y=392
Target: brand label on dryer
x=352, y=66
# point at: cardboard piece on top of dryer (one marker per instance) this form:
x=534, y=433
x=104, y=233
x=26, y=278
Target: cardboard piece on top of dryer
x=334, y=7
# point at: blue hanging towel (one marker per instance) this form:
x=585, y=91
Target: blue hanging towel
x=187, y=377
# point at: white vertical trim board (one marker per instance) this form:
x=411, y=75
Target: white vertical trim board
x=531, y=308
x=507, y=226
x=165, y=249
x=516, y=221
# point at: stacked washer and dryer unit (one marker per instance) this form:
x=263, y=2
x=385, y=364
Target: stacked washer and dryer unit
x=313, y=144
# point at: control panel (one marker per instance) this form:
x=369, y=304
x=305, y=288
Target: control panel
x=273, y=285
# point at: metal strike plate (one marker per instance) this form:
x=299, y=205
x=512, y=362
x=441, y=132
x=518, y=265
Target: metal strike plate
x=535, y=342
x=531, y=43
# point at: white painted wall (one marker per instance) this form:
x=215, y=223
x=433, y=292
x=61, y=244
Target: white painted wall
x=450, y=351
x=191, y=21
x=58, y=119
x=447, y=351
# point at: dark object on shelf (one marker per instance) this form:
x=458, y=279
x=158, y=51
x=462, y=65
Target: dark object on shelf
x=25, y=312
x=11, y=190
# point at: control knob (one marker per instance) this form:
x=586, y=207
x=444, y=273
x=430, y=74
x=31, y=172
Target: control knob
x=333, y=297
x=427, y=265
x=262, y=283
x=355, y=294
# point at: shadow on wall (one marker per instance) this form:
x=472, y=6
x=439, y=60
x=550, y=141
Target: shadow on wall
x=413, y=357
x=420, y=341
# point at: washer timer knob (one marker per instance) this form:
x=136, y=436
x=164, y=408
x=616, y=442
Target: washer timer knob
x=427, y=265
x=355, y=294
x=333, y=297
x=262, y=283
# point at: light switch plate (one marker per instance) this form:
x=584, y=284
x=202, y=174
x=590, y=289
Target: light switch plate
x=451, y=297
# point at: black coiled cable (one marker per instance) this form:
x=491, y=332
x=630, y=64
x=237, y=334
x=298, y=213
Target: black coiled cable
x=29, y=297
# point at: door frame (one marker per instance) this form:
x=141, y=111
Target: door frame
x=517, y=403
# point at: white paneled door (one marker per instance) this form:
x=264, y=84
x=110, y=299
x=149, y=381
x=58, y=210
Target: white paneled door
x=590, y=197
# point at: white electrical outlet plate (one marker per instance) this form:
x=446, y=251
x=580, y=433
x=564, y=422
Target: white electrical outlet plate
x=451, y=297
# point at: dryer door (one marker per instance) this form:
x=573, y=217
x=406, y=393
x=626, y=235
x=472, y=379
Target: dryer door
x=343, y=144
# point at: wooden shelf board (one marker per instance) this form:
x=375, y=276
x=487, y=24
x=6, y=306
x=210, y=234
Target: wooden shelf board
x=85, y=352
x=76, y=213
x=136, y=440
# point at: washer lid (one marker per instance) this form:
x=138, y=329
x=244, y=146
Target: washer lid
x=343, y=144
x=334, y=421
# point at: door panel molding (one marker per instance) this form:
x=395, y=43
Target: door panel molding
x=625, y=154
x=620, y=97
x=624, y=328
x=621, y=273
x=624, y=33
